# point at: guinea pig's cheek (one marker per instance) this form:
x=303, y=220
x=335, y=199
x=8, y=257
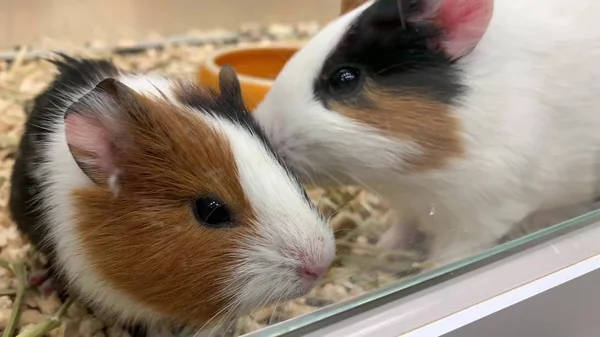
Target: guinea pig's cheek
x=148, y=256
x=414, y=119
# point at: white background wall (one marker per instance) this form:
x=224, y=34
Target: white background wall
x=78, y=21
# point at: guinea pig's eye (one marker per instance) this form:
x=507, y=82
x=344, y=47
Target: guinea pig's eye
x=344, y=80
x=211, y=213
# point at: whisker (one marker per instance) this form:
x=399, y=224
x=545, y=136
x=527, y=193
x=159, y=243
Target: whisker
x=275, y=310
x=213, y=317
x=229, y=311
x=402, y=15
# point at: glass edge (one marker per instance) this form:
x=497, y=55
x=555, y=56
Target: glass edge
x=327, y=312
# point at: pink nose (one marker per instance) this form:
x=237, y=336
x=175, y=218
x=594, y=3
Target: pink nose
x=312, y=272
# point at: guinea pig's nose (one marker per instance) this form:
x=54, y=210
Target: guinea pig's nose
x=312, y=272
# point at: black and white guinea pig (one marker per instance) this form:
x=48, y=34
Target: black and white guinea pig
x=157, y=200
x=467, y=115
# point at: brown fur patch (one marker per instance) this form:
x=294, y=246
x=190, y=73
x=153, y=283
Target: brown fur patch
x=348, y=5
x=409, y=117
x=145, y=241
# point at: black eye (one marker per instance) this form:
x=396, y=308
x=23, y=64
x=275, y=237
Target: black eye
x=211, y=213
x=344, y=80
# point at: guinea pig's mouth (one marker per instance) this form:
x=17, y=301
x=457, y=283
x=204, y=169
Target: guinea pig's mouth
x=275, y=271
x=301, y=287
x=284, y=283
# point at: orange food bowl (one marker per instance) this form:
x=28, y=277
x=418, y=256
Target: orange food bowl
x=256, y=67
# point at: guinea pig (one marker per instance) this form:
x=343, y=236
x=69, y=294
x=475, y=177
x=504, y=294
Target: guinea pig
x=156, y=200
x=467, y=116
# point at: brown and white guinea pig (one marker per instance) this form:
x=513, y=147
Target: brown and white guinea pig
x=467, y=115
x=155, y=199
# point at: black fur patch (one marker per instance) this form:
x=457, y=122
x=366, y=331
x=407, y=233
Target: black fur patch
x=396, y=58
x=38, y=128
x=25, y=203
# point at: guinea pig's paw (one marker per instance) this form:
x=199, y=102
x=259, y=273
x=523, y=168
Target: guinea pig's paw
x=42, y=279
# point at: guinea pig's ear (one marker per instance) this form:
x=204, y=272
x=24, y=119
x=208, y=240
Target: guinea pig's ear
x=463, y=22
x=229, y=86
x=348, y=5
x=96, y=128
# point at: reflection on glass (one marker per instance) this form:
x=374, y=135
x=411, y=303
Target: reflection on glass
x=362, y=269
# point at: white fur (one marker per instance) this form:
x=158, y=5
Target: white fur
x=285, y=220
x=530, y=123
x=286, y=225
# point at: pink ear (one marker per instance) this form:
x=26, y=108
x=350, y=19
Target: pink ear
x=464, y=22
x=96, y=128
x=87, y=135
